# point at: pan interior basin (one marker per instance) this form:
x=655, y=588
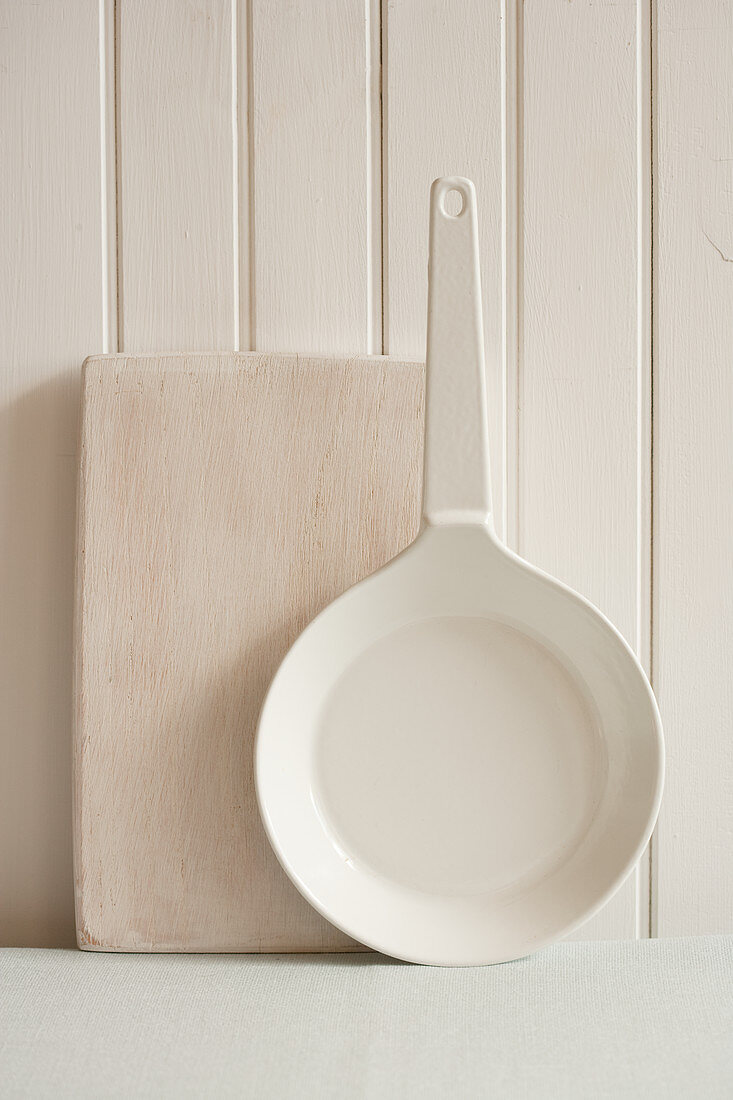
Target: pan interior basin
x=457, y=756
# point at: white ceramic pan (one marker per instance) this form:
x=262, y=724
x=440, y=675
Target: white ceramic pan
x=460, y=759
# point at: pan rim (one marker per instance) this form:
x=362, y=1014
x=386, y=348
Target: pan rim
x=649, y=806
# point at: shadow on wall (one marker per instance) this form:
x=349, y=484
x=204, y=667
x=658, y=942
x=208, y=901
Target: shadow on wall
x=38, y=434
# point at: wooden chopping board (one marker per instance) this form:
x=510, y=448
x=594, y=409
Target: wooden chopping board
x=223, y=501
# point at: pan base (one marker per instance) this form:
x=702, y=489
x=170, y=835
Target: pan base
x=458, y=756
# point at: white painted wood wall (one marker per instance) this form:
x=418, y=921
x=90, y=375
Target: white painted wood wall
x=250, y=174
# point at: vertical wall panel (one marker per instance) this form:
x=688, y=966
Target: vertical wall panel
x=52, y=259
x=443, y=116
x=177, y=165
x=693, y=444
x=584, y=373
x=316, y=209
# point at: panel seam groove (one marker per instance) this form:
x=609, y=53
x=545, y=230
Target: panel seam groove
x=512, y=137
x=384, y=234
x=652, y=915
x=250, y=218
x=373, y=166
x=108, y=175
x=237, y=306
x=104, y=183
x=644, y=396
x=118, y=265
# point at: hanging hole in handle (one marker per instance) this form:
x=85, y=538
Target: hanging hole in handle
x=453, y=203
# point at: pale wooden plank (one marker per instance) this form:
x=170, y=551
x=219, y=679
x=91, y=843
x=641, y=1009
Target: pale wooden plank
x=51, y=314
x=583, y=430
x=693, y=429
x=178, y=220
x=223, y=502
x=443, y=116
x=314, y=252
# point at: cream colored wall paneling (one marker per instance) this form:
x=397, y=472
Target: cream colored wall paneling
x=315, y=257
x=226, y=175
x=693, y=446
x=178, y=174
x=54, y=253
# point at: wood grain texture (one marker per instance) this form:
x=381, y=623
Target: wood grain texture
x=223, y=502
x=442, y=116
x=177, y=217
x=582, y=495
x=693, y=429
x=315, y=268
x=51, y=314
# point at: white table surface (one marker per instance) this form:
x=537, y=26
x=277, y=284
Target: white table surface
x=644, y=1019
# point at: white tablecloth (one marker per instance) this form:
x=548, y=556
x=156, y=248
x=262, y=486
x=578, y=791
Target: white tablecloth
x=645, y=1019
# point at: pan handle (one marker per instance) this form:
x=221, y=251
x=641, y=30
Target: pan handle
x=456, y=486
